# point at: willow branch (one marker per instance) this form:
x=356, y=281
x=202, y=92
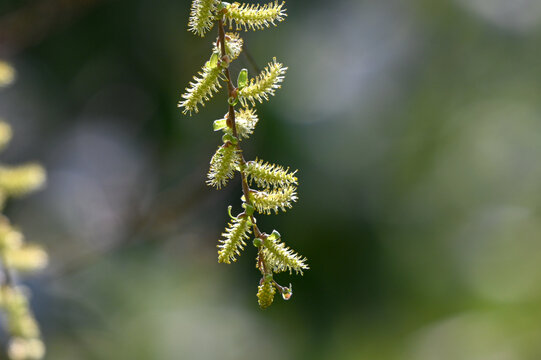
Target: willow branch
x=232, y=93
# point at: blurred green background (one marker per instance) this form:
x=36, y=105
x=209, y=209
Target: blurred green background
x=416, y=129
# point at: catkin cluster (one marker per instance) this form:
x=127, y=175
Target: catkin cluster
x=275, y=187
x=17, y=256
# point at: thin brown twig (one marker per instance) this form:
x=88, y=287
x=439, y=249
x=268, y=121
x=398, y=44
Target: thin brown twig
x=232, y=94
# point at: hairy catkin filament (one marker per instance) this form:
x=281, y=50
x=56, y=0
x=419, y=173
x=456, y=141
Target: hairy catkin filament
x=265, y=294
x=202, y=88
x=223, y=165
x=201, y=16
x=264, y=85
x=255, y=16
x=234, y=236
x=282, y=258
x=266, y=175
x=281, y=198
x=233, y=46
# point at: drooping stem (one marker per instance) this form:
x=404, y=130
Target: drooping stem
x=231, y=92
x=230, y=87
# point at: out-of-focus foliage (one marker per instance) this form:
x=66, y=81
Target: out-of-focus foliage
x=416, y=126
x=7, y=74
x=23, y=335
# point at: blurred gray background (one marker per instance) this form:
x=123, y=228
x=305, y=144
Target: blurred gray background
x=416, y=129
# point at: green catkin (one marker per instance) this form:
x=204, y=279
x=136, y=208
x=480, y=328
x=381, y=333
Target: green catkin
x=265, y=294
x=275, y=185
x=235, y=235
x=233, y=46
x=266, y=175
x=267, y=200
x=201, y=16
x=255, y=16
x=281, y=257
x=202, y=88
x=264, y=85
x=223, y=165
x=245, y=119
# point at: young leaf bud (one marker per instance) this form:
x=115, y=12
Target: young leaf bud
x=249, y=209
x=213, y=62
x=274, y=236
x=219, y=124
x=242, y=80
x=228, y=137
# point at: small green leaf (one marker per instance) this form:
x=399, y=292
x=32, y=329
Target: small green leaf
x=258, y=242
x=274, y=236
x=219, y=124
x=222, y=6
x=213, y=62
x=242, y=80
x=228, y=137
x=249, y=209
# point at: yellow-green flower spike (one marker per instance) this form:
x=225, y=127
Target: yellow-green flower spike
x=264, y=85
x=223, y=165
x=274, y=200
x=233, y=46
x=202, y=88
x=20, y=180
x=246, y=120
x=255, y=16
x=202, y=16
x=266, y=175
x=237, y=231
x=281, y=257
x=265, y=294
